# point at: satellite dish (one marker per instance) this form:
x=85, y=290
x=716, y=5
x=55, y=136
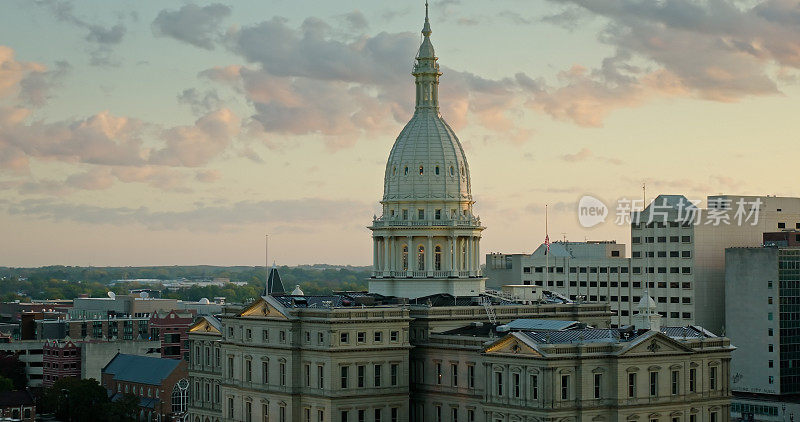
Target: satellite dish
x=144, y=295
x=112, y=295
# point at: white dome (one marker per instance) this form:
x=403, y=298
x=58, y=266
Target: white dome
x=297, y=291
x=427, y=162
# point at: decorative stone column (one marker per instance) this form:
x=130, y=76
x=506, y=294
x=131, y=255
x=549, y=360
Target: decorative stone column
x=386, y=256
x=375, y=264
x=453, y=266
x=429, y=257
x=411, y=259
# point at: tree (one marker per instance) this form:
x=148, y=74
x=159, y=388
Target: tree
x=13, y=369
x=124, y=409
x=6, y=384
x=73, y=399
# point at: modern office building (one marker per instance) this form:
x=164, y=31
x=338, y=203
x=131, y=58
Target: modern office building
x=763, y=317
x=592, y=271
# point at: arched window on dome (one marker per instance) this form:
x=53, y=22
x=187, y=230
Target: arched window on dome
x=394, y=171
x=452, y=171
x=420, y=170
x=405, y=171
x=421, y=258
x=437, y=263
x=437, y=170
x=405, y=257
x=462, y=171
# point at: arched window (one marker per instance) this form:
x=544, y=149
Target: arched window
x=437, y=263
x=420, y=170
x=421, y=258
x=394, y=171
x=452, y=171
x=405, y=171
x=405, y=257
x=180, y=396
x=437, y=170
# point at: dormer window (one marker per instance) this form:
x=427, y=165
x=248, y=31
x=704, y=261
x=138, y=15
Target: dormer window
x=420, y=170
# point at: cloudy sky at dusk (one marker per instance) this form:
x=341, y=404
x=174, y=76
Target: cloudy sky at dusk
x=160, y=133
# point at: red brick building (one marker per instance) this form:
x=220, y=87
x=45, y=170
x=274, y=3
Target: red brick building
x=60, y=359
x=17, y=405
x=161, y=384
x=170, y=328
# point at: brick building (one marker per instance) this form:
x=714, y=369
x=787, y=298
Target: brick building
x=60, y=359
x=17, y=406
x=161, y=384
x=170, y=328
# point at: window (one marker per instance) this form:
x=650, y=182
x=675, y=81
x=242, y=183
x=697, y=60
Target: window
x=405, y=171
x=454, y=374
x=344, y=337
x=781, y=225
x=393, y=373
x=598, y=382
x=420, y=214
x=393, y=414
x=344, y=415
x=534, y=387
x=345, y=370
x=693, y=380
x=421, y=170
x=653, y=383
x=248, y=370
x=265, y=412
x=307, y=373
x=565, y=387
x=230, y=367
x=230, y=407
x=320, y=338
x=516, y=385
x=377, y=374
x=632, y=384
x=471, y=376
x=405, y=214
x=437, y=262
x=454, y=417
x=394, y=336
x=265, y=371
x=437, y=214
x=282, y=336
x=437, y=170
x=470, y=415
x=498, y=377
x=712, y=378
x=282, y=373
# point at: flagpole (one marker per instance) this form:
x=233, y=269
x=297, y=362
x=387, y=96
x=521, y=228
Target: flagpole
x=547, y=250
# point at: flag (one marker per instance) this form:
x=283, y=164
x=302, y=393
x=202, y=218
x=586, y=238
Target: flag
x=547, y=244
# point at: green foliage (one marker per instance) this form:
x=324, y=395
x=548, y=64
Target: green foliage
x=13, y=369
x=6, y=384
x=63, y=282
x=73, y=399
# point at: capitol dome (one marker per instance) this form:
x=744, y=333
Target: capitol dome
x=427, y=161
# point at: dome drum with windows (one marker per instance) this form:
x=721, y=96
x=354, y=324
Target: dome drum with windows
x=427, y=239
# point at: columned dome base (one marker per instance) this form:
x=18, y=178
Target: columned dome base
x=413, y=288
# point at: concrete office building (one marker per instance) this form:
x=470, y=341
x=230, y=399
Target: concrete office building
x=763, y=315
x=684, y=263
x=581, y=271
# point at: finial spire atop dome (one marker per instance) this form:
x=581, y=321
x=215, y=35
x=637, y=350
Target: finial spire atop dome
x=426, y=70
x=426, y=29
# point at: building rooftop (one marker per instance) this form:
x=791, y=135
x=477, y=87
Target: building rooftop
x=543, y=331
x=140, y=369
x=16, y=398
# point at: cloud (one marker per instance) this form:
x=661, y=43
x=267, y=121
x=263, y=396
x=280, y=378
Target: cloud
x=200, y=102
x=198, y=26
x=717, y=50
x=296, y=212
x=103, y=38
x=94, y=179
x=207, y=176
x=586, y=154
x=193, y=146
x=35, y=88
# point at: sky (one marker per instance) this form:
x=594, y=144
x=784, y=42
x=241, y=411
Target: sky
x=180, y=133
